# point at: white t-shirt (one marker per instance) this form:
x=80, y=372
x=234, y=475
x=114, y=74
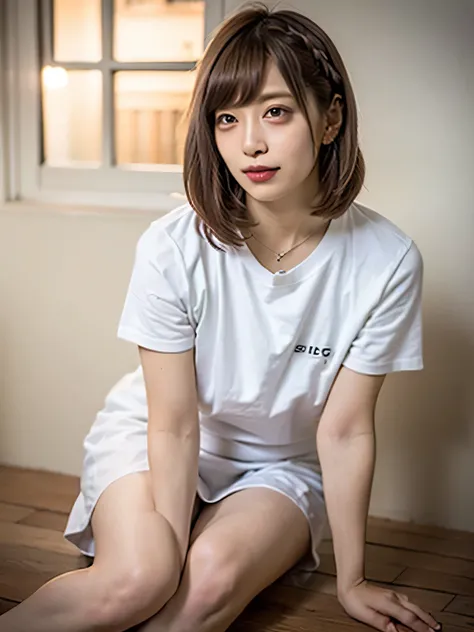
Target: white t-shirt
x=269, y=346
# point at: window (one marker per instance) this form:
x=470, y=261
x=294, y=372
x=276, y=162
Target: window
x=99, y=89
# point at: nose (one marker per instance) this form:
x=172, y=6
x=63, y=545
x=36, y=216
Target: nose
x=254, y=143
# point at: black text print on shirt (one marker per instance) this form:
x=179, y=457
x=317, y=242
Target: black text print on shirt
x=324, y=352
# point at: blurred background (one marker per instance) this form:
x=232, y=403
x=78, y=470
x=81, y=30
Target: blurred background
x=148, y=105
x=92, y=95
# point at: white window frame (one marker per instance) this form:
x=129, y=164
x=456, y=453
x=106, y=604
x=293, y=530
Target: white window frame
x=22, y=176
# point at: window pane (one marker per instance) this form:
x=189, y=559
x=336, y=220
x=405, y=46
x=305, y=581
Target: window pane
x=149, y=116
x=77, y=30
x=158, y=30
x=72, y=116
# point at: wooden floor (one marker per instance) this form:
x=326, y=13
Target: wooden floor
x=435, y=567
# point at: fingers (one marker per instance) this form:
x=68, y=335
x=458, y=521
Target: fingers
x=402, y=611
x=381, y=622
x=424, y=616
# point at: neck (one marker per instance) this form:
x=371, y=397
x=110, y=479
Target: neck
x=285, y=222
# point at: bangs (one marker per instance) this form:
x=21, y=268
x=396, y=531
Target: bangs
x=239, y=73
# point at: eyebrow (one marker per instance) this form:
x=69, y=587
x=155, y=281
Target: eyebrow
x=267, y=96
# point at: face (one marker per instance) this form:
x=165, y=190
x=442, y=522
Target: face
x=271, y=135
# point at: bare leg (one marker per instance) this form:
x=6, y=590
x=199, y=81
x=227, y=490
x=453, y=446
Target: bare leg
x=67, y=602
x=239, y=546
x=135, y=571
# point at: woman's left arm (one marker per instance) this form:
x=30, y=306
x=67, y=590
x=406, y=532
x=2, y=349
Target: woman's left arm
x=346, y=447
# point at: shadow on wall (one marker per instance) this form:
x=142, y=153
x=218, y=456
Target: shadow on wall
x=429, y=426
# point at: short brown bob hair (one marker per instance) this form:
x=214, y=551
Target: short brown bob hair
x=232, y=71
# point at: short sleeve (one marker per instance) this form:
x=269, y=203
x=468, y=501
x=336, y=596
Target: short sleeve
x=154, y=315
x=391, y=339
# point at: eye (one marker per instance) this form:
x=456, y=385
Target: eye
x=277, y=112
x=225, y=119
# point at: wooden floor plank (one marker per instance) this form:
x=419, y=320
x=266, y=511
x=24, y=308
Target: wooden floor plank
x=461, y=548
x=13, y=513
x=448, y=619
x=436, y=581
x=36, y=538
x=23, y=570
x=37, y=561
x=377, y=554
x=46, y=520
x=275, y=611
x=294, y=598
x=315, y=582
x=419, y=529
x=38, y=489
x=462, y=605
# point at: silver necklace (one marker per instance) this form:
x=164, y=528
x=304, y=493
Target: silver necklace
x=280, y=255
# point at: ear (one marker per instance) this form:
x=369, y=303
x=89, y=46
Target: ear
x=333, y=119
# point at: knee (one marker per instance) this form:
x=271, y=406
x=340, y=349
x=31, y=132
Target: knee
x=213, y=578
x=131, y=596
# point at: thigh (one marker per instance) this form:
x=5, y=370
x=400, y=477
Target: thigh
x=256, y=534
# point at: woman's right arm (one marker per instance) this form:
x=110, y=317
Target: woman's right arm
x=173, y=437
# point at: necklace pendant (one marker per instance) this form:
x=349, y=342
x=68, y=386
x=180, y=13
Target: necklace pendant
x=279, y=257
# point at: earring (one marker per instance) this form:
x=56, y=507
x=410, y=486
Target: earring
x=325, y=140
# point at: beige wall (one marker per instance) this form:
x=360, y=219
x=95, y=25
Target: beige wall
x=63, y=274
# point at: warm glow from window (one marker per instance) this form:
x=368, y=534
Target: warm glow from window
x=148, y=105
x=54, y=77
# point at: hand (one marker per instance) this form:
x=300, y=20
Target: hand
x=383, y=608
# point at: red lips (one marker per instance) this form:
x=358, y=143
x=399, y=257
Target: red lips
x=255, y=169
x=261, y=174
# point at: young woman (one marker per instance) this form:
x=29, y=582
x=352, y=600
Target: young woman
x=267, y=311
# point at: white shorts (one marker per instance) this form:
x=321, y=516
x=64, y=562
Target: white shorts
x=116, y=445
